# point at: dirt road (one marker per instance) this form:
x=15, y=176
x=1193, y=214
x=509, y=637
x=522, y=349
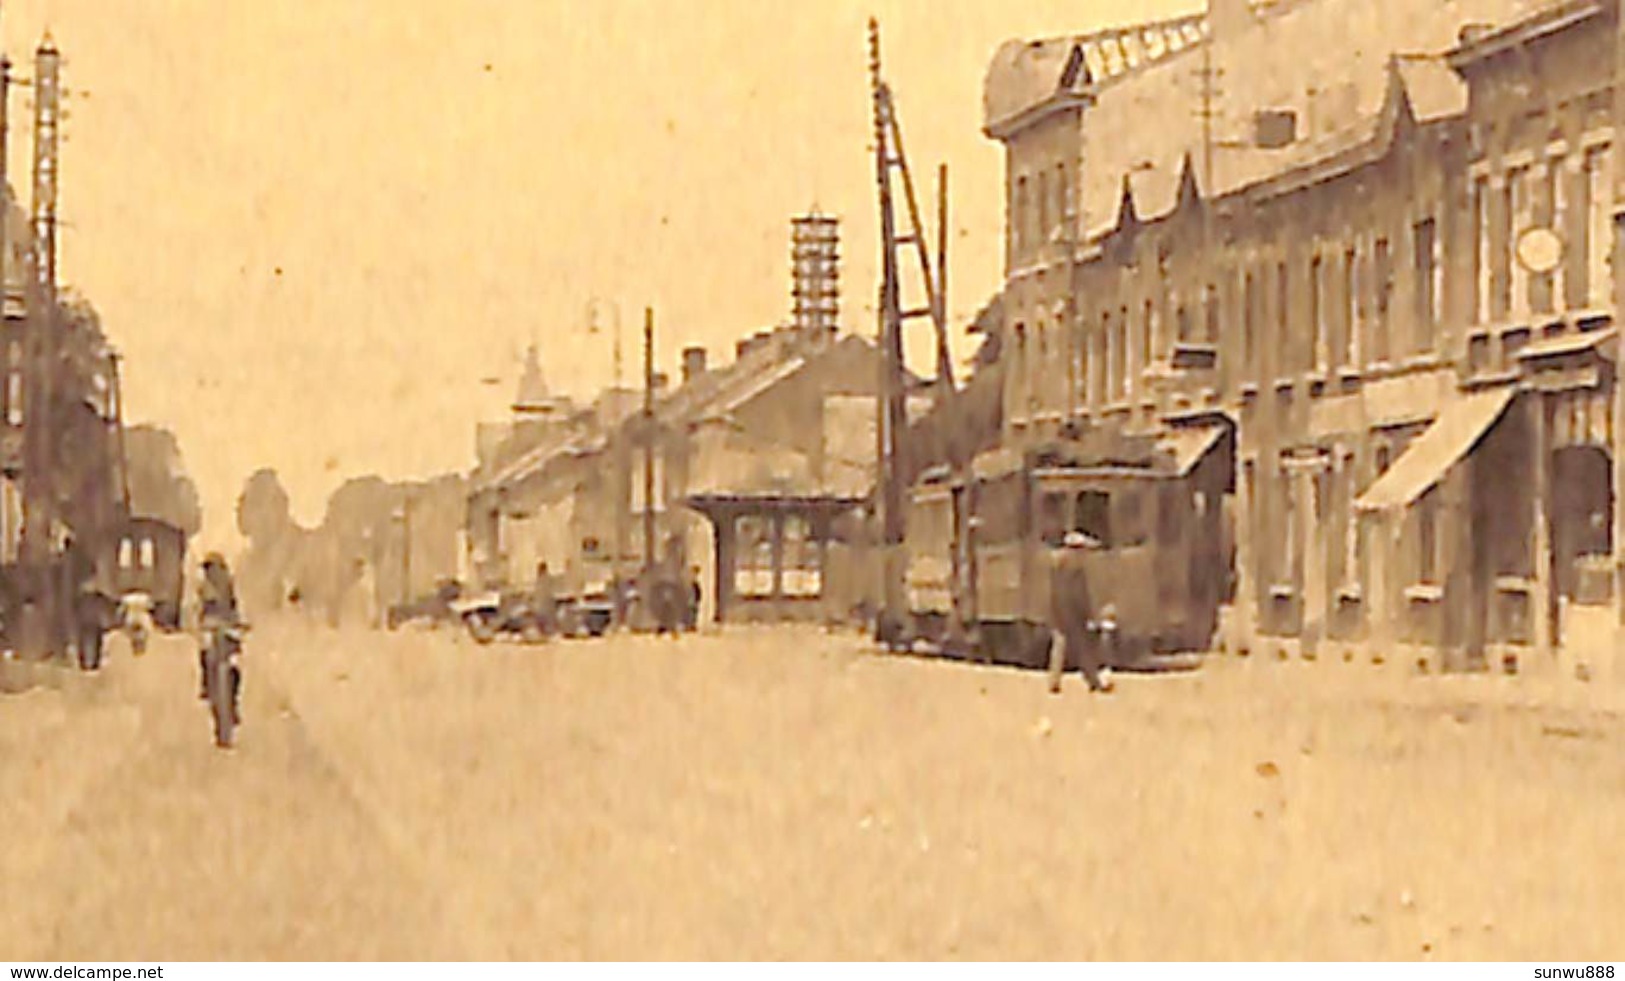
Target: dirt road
x=768, y=794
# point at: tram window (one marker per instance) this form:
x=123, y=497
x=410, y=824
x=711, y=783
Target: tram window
x=1093, y=516
x=1131, y=524
x=148, y=558
x=1052, y=518
x=126, y=554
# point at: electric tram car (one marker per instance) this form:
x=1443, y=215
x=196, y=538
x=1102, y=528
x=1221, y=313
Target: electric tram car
x=980, y=546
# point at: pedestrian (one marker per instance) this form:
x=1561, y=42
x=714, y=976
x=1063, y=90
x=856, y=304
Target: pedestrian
x=544, y=597
x=691, y=614
x=1075, y=633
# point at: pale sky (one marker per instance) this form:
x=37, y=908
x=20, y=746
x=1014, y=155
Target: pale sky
x=313, y=226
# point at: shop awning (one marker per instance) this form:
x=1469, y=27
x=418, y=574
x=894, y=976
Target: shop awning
x=1451, y=437
x=1189, y=444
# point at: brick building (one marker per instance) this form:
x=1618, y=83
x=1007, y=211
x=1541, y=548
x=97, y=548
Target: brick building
x=1376, y=235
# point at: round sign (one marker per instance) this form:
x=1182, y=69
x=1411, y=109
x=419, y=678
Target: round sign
x=1540, y=250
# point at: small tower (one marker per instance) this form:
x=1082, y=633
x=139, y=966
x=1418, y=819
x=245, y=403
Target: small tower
x=536, y=410
x=815, y=253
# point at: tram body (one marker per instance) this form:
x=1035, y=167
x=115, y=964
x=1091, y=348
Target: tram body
x=981, y=547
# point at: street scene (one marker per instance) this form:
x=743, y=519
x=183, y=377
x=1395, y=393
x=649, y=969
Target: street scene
x=1163, y=508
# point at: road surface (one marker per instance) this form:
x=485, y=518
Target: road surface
x=789, y=794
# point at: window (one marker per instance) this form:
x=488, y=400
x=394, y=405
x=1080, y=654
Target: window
x=1052, y=518
x=1382, y=297
x=803, y=572
x=1041, y=232
x=1018, y=219
x=1542, y=208
x=1508, y=289
x=1148, y=328
x=1249, y=344
x=1211, y=313
x=1288, y=504
x=1351, y=307
x=1130, y=523
x=753, y=557
x=1426, y=267
x=1182, y=322
x=1084, y=363
x=1285, y=350
x=126, y=554
x=1317, y=330
x=1022, y=383
x=1101, y=342
x=1120, y=356
x=148, y=554
x=1599, y=231
x=1427, y=537
x=1063, y=203
x=1481, y=278
x=1353, y=571
x=1092, y=516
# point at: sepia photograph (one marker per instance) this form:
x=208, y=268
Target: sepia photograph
x=862, y=481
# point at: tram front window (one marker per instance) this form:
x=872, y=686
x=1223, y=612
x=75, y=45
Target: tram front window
x=1092, y=516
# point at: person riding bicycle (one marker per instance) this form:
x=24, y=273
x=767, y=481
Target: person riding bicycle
x=217, y=609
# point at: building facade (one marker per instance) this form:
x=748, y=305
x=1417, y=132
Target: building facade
x=1378, y=237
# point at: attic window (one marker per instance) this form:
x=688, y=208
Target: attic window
x=1274, y=129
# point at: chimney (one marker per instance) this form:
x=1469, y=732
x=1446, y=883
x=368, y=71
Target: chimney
x=1227, y=18
x=693, y=363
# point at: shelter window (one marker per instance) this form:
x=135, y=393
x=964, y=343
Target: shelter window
x=753, y=562
x=803, y=571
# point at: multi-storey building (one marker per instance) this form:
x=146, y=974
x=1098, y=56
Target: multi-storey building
x=1376, y=236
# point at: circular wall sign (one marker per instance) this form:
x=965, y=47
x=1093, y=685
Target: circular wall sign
x=1540, y=250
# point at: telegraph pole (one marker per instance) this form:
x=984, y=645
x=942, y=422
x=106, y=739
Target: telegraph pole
x=648, y=437
x=40, y=631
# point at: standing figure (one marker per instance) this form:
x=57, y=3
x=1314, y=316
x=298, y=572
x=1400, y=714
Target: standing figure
x=218, y=615
x=545, y=600
x=691, y=613
x=1075, y=633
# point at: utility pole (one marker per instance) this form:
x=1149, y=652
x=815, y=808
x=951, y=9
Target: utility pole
x=891, y=174
x=40, y=631
x=648, y=428
x=1208, y=80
